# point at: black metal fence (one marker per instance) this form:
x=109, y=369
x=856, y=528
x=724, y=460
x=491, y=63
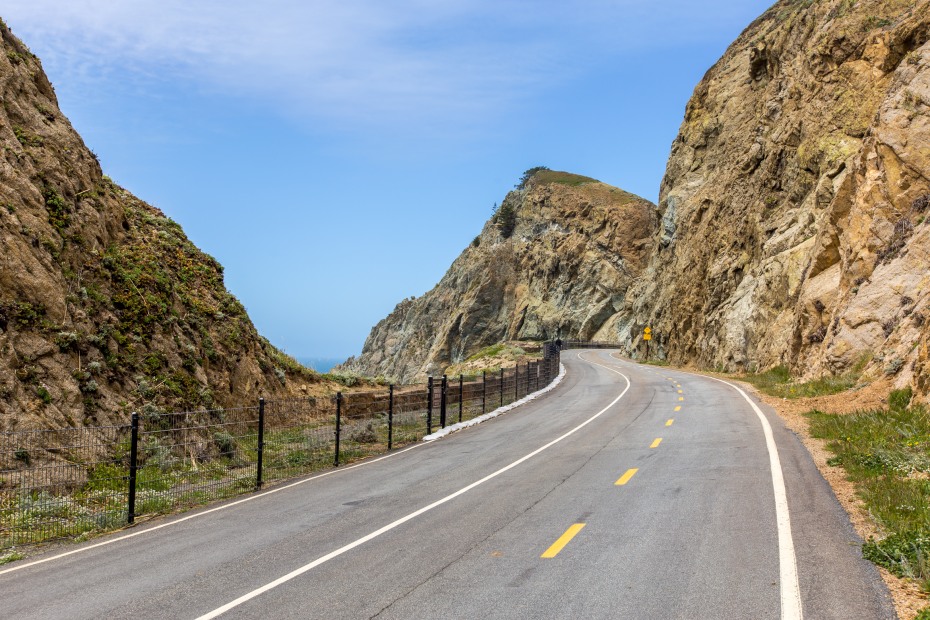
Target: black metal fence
x=78, y=481
x=588, y=344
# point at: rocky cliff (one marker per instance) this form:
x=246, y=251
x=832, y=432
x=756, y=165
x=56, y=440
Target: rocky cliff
x=557, y=257
x=105, y=305
x=795, y=200
x=792, y=222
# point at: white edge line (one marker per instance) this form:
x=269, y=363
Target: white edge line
x=499, y=411
x=390, y=526
x=204, y=512
x=791, y=605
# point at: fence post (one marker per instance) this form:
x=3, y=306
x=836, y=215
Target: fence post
x=442, y=401
x=484, y=392
x=461, y=395
x=502, y=387
x=390, y=416
x=516, y=382
x=429, y=406
x=261, y=443
x=338, y=425
x=133, y=465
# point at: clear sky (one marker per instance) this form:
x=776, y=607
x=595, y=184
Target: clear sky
x=336, y=156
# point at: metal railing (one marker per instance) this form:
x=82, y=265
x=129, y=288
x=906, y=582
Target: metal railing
x=77, y=481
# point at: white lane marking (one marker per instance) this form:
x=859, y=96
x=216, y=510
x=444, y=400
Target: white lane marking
x=790, y=589
x=791, y=606
x=205, y=512
x=390, y=526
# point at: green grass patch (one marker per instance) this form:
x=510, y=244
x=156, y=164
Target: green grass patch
x=12, y=556
x=562, y=178
x=492, y=351
x=886, y=453
x=778, y=382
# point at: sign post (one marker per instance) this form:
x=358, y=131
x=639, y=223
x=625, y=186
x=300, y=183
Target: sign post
x=647, y=336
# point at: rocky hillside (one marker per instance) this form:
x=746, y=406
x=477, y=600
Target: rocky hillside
x=792, y=222
x=105, y=305
x=557, y=257
x=795, y=202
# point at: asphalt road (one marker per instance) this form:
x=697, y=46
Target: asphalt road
x=626, y=492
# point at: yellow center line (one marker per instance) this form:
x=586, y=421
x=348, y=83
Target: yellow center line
x=655, y=444
x=678, y=408
x=681, y=398
x=681, y=391
x=563, y=540
x=626, y=477
x=670, y=422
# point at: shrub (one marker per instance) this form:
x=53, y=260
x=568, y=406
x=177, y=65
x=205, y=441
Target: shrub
x=506, y=219
x=225, y=444
x=66, y=340
x=364, y=434
x=43, y=393
x=529, y=175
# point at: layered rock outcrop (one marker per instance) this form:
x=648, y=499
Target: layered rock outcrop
x=792, y=226
x=105, y=305
x=796, y=196
x=557, y=258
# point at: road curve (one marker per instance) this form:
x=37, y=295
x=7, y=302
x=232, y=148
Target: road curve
x=627, y=492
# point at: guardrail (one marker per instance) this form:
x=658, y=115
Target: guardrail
x=77, y=481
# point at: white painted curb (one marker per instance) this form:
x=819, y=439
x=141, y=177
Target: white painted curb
x=499, y=411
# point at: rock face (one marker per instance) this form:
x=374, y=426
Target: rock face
x=792, y=226
x=557, y=257
x=795, y=201
x=105, y=305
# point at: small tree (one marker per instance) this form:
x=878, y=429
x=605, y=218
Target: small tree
x=506, y=219
x=529, y=175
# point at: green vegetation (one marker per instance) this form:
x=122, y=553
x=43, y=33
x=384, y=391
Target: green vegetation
x=15, y=57
x=529, y=174
x=873, y=21
x=11, y=556
x=346, y=379
x=44, y=395
x=25, y=138
x=492, y=351
x=58, y=210
x=564, y=178
x=886, y=453
x=505, y=218
x=777, y=381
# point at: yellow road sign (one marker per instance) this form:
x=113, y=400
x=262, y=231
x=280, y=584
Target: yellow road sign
x=647, y=336
x=648, y=330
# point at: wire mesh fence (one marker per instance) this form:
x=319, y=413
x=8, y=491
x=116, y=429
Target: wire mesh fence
x=77, y=481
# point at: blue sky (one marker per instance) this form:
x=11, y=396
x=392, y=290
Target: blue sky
x=336, y=156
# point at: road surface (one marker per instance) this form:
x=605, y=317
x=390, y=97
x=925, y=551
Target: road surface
x=626, y=492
